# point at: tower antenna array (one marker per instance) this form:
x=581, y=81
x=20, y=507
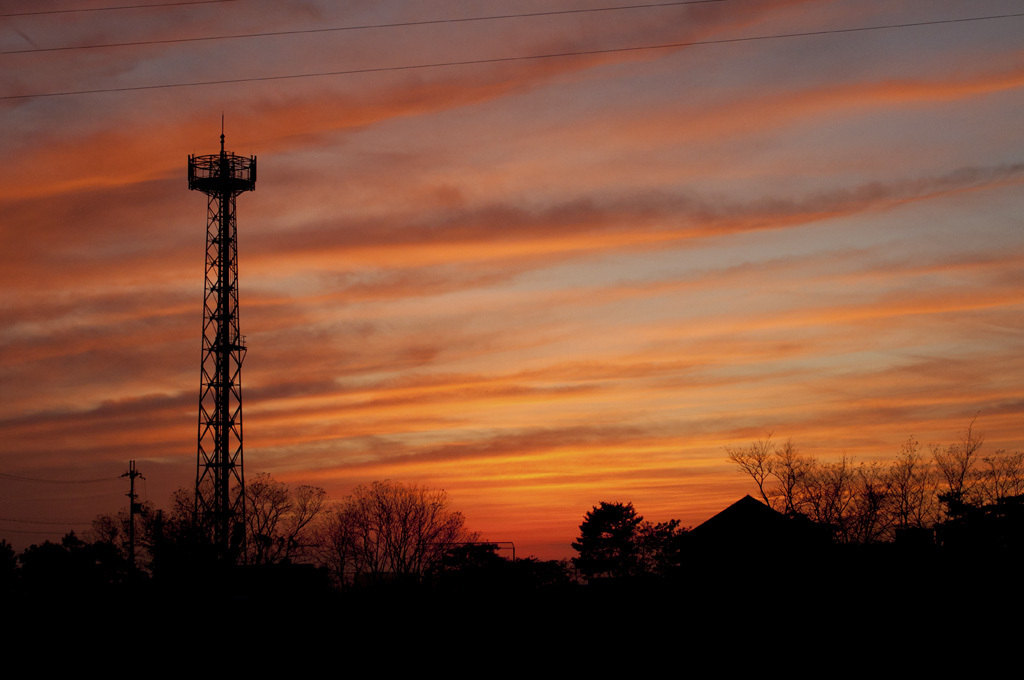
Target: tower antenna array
x=220, y=478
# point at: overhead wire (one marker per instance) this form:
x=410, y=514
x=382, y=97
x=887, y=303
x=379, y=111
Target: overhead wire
x=42, y=532
x=42, y=521
x=497, y=60
x=37, y=480
x=362, y=27
x=4, y=475
x=118, y=7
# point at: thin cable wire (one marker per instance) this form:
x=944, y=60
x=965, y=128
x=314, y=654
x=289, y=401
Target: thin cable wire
x=57, y=481
x=105, y=9
x=498, y=60
x=42, y=521
x=40, y=532
x=363, y=27
x=51, y=499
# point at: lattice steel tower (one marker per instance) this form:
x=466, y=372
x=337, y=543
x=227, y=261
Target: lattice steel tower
x=220, y=479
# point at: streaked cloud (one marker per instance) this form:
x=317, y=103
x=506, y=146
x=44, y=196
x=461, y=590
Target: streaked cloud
x=538, y=284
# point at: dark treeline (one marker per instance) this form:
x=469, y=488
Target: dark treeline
x=936, y=520
x=384, y=540
x=924, y=494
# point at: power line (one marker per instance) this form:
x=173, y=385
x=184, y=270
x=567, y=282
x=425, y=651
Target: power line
x=363, y=27
x=39, y=532
x=497, y=60
x=50, y=499
x=57, y=481
x=42, y=521
x=104, y=9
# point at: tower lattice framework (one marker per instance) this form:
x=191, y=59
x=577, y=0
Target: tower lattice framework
x=220, y=477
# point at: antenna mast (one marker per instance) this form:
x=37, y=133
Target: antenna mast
x=134, y=508
x=220, y=479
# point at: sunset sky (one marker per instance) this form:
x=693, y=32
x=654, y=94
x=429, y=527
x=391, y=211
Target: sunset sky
x=535, y=283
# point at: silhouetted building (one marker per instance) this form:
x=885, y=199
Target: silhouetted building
x=749, y=526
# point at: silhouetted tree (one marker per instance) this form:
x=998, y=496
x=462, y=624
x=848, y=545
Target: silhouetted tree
x=280, y=526
x=114, y=529
x=792, y=470
x=995, y=530
x=390, y=532
x=957, y=464
x=763, y=461
x=874, y=502
x=758, y=461
x=8, y=568
x=179, y=541
x=1002, y=476
x=852, y=499
x=280, y=522
x=615, y=541
x=471, y=566
x=476, y=569
x=607, y=544
x=912, y=488
x=72, y=568
x=660, y=547
x=471, y=556
x=871, y=515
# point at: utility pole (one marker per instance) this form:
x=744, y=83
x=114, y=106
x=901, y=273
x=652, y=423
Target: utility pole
x=220, y=479
x=134, y=508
